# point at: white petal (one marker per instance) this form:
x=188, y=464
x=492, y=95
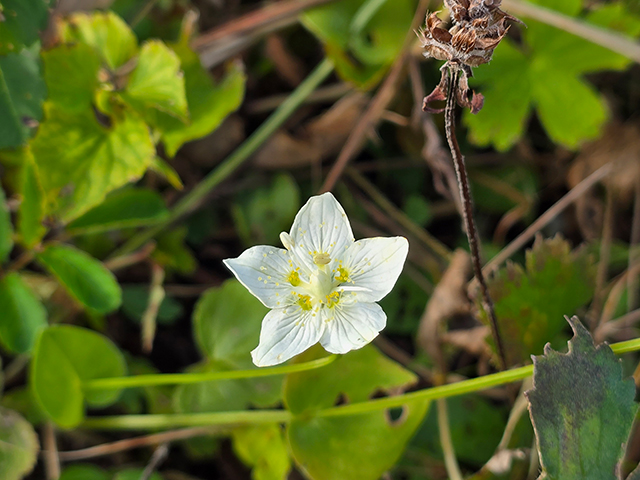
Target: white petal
x=352, y=326
x=264, y=271
x=321, y=226
x=285, y=333
x=374, y=264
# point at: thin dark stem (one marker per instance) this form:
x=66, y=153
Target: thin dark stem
x=467, y=211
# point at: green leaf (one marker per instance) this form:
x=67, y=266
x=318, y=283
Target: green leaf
x=166, y=171
x=22, y=91
x=528, y=303
x=126, y=208
x=32, y=207
x=226, y=324
x=361, y=446
x=262, y=447
x=84, y=277
x=80, y=161
x=84, y=472
x=6, y=229
x=18, y=446
x=506, y=86
x=218, y=332
x=22, y=21
x=571, y=111
x=545, y=74
x=157, y=82
x=226, y=395
x=106, y=33
x=23, y=316
x=64, y=357
x=209, y=104
x=135, y=299
x=362, y=37
x=581, y=408
x=71, y=74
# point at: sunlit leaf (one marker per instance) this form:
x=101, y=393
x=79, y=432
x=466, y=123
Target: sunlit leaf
x=157, y=81
x=71, y=74
x=361, y=446
x=528, y=303
x=126, y=208
x=18, y=446
x=262, y=447
x=105, y=32
x=64, y=357
x=80, y=161
x=22, y=92
x=581, y=409
x=209, y=103
x=84, y=277
x=32, y=207
x=23, y=316
x=22, y=22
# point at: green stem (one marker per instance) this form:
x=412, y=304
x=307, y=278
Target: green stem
x=115, y=383
x=239, y=156
x=153, y=422
x=138, y=422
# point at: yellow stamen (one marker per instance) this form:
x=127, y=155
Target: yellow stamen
x=294, y=278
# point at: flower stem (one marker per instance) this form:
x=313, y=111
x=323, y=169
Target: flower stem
x=115, y=383
x=152, y=422
x=467, y=211
x=191, y=201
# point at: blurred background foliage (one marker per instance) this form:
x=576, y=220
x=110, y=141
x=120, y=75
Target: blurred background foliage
x=139, y=147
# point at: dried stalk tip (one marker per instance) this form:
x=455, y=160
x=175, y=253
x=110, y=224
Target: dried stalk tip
x=477, y=28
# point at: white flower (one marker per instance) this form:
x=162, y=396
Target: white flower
x=323, y=287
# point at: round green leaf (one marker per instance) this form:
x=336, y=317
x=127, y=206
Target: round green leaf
x=23, y=316
x=126, y=208
x=18, y=446
x=64, y=357
x=84, y=277
x=135, y=474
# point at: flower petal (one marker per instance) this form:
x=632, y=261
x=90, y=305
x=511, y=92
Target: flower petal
x=265, y=271
x=352, y=326
x=374, y=264
x=285, y=333
x=321, y=226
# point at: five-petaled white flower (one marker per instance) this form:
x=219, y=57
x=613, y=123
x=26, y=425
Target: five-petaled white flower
x=323, y=287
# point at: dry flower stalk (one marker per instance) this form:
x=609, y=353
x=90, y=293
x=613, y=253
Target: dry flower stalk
x=477, y=28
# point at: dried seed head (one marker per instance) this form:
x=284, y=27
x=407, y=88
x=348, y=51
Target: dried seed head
x=477, y=28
